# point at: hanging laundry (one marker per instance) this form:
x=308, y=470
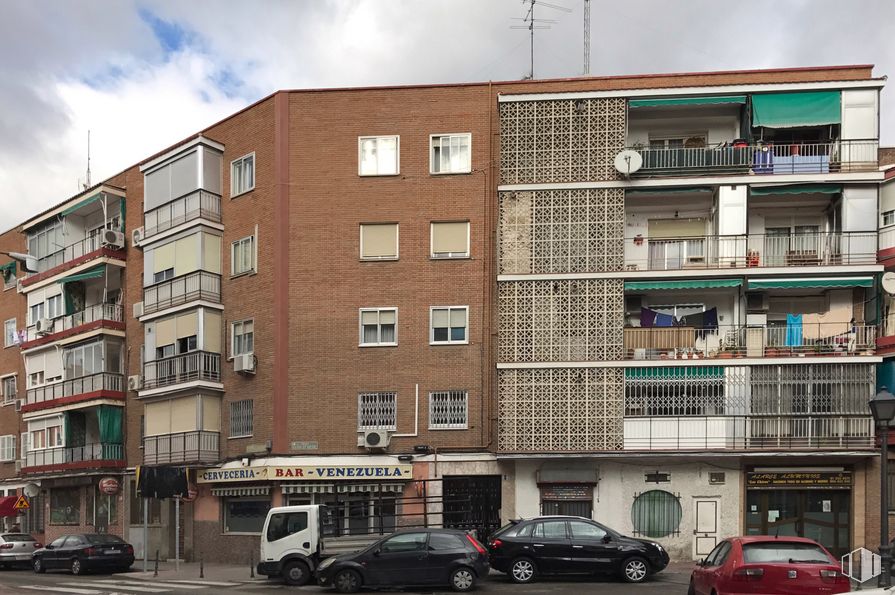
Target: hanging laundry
x=793, y=330
x=647, y=317
x=830, y=324
x=664, y=320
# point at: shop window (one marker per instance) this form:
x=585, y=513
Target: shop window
x=102, y=509
x=656, y=513
x=245, y=515
x=65, y=506
x=137, y=503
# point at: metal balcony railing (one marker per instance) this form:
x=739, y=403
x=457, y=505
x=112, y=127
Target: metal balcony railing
x=181, y=447
x=74, y=454
x=186, y=367
x=200, y=204
x=111, y=312
x=199, y=285
x=728, y=341
x=748, y=432
x=69, y=253
x=768, y=158
x=75, y=386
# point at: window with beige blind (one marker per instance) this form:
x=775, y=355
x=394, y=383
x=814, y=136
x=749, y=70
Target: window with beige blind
x=181, y=257
x=378, y=326
x=379, y=241
x=448, y=325
x=450, y=239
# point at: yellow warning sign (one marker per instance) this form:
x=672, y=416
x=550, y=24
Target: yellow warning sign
x=21, y=504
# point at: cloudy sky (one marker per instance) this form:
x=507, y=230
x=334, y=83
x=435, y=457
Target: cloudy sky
x=141, y=75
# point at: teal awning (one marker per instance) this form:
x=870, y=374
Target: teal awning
x=703, y=372
x=669, y=190
x=789, y=110
x=689, y=284
x=796, y=189
x=94, y=273
x=726, y=99
x=816, y=283
x=83, y=203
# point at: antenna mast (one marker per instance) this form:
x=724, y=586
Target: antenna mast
x=531, y=26
x=87, y=185
x=586, y=37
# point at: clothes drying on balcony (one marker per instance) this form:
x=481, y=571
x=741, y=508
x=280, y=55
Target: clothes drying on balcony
x=702, y=321
x=837, y=321
x=793, y=330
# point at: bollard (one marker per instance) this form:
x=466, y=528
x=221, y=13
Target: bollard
x=201, y=567
x=155, y=572
x=252, y=565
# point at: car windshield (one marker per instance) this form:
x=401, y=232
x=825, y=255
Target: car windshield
x=783, y=552
x=97, y=539
x=16, y=537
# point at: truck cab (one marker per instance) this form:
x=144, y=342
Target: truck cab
x=291, y=542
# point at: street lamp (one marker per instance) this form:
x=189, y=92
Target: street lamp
x=882, y=406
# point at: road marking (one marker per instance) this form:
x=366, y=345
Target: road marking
x=56, y=589
x=142, y=583
x=167, y=589
x=204, y=582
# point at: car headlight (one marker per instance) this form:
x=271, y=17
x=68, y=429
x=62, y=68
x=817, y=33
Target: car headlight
x=658, y=547
x=326, y=564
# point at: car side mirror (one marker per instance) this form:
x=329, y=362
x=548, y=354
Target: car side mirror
x=607, y=538
x=701, y=562
x=376, y=552
x=48, y=547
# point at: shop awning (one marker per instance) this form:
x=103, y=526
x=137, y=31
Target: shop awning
x=814, y=283
x=689, y=284
x=790, y=110
x=308, y=488
x=241, y=491
x=94, y=273
x=352, y=488
x=722, y=100
x=669, y=190
x=796, y=189
x=658, y=373
x=7, y=506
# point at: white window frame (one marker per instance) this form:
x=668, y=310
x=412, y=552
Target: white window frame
x=383, y=396
x=891, y=218
x=432, y=340
x=8, y=447
x=233, y=335
x=7, y=340
x=448, y=255
x=230, y=434
x=233, y=247
x=450, y=395
x=360, y=155
x=233, y=190
x=9, y=399
x=360, y=231
x=449, y=135
x=58, y=307
x=360, y=326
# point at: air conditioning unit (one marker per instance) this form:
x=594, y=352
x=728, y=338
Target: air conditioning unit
x=138, y=309
x=757, y=302
x=113, y=239
x=137, y=237
x=18, y=404
x=134, y=383
x=44, y=326
x=375, y=439
x=19, y=465
x=244, y=364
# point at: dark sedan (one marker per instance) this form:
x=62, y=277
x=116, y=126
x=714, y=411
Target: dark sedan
x=572, y=545
x=83, y=552
x=410, y=558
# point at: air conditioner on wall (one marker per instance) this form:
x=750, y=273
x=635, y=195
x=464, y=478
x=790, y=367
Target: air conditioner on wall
x=44, y=326
x=137, y=237
x=138, y=309
x=113, y=239
x=134, y=383
x=244, y=364
x=376, y=439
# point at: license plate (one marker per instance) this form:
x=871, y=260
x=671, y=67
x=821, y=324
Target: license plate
x=23, y=557
x=111, y=551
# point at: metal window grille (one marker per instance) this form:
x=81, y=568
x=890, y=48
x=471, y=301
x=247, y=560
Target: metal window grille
x=377, y=411
x=241, y=418
x=448, y=410
x=839, y=389
x=685, y=391
x=656, y=513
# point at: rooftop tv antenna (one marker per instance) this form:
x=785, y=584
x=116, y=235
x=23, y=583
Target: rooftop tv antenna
x=533, y=24
x=586, y=37
x=87, y=184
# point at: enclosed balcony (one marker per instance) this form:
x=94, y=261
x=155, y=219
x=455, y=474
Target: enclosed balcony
x=87, y=438
x=182, y=447
x=199, y=285
x=186, y=367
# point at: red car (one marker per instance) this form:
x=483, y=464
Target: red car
x=770, y=566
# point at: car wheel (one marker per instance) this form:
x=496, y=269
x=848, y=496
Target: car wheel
x=463, y=579
x=296, y=573
x=76, y=566
x=347, y=581
x=38, y=566
x=635, y=570
x=691, y=590
x=523, y=570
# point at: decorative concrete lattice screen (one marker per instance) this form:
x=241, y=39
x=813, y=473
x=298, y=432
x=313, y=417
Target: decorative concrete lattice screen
x=560, y=409
x=560, y=321
x=562, y=231
x=552, y=141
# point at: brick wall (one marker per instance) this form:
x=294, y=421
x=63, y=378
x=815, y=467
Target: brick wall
x=12, y=305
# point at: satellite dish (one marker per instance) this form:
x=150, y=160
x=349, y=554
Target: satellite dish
x=628, y=161
x=888, y=283
x=31, y=490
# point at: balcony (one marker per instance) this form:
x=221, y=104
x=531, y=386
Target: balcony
x=200, y=204
x=772, y=159
x=748, y=432
x=737, y=341
x=76, y=389
x=90, y=315
x=186, y=367
x=181, y=447
x=199, y=285
x=75, y=456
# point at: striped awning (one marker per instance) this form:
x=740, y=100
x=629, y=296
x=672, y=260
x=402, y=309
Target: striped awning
x=352, y=488
x=241, y=491
x=308, y=488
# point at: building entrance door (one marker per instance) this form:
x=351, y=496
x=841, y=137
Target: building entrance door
x=705, y=535
x=821, y=515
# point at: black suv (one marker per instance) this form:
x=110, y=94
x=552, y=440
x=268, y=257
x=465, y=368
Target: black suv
x=572, y=545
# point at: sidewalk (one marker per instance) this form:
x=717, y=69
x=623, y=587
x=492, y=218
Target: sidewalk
x=167, y=571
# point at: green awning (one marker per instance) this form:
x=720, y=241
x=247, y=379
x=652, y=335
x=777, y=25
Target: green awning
x=796, y=189
x=702, y=372
x=817, y=283
x=789, y=110
x=689, y=284
x=94, y=273
x=8, y=269
x=669, y=190
x=83, y=203
x=726, y=99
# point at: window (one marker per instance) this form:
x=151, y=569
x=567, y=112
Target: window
x=286, y=523
x=448, y=410
x=102, y=509
x=136, y=508
x=405, y=542
x=243, y=256
x=774, y=552
x=36, y=378
x=46, y=241
x=65, y=506
x=163, y=275
x=54, y=306
x=245, y=515
x=550, y=530
x=656, y=513
x=10, y=337
x=717, y=556
x=9, y=275
x=678, y=142
x=445, y=541
x=450, y=240
x=241, y=421
x=8, y=447
x=448, y=324
x=377, y=411
x=450, y=153
x=378, y=326
x=582, y=530
x=888, y=218
x=8, y=385
x=36, y=312
x=83, y=360
x=243, y=337
x=242, y=175
x=379, y=241
x=378, y=155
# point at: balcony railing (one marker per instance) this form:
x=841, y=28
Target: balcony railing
x=199, y=285
x=200, y=204
x=69, y=253
x=76, y=386
x=748, y=432
x=74, y=454
x=186, y=367
x=111, y=312
x=786, y=158
x=181, y=447
x=727, y=341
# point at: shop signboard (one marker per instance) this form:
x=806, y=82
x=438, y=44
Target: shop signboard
x=799, y=479
x=309, y=473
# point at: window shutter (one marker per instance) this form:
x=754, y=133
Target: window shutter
x=163, y=257
x=440, y=318
x=379, y=240
x=387, y=317
x=450, y=238
x=458, y=317
x=675, y=228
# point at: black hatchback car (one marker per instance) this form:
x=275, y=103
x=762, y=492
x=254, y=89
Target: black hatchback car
x=82, y=552
x=410, y=558
x=525, y=549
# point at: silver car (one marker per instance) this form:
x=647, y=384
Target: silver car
x=16, y=549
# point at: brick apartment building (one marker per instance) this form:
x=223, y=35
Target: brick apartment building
x=463, y=274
